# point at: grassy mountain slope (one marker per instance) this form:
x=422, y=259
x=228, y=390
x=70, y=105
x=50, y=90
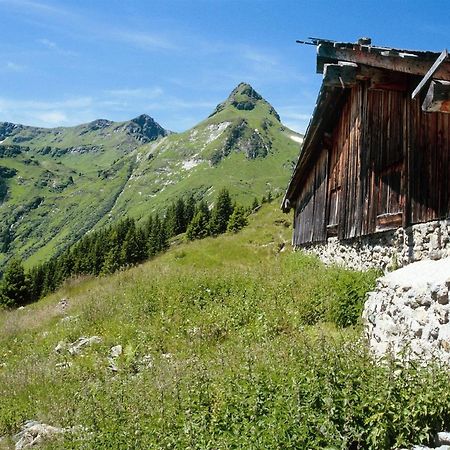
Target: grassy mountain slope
x=242, y=145
x=227, y=343
x=63, y=181
x=57, y=184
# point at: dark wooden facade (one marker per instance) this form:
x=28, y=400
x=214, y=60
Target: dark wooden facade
x=372, y=159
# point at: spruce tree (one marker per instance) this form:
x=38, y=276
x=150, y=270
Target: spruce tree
x=238, y=220
x=154, y=238
x=130, y=251
x=189, y=210
x=203, y=207
x=15, y=286
x=170, y=220
x=113, y=256
x=36, y=279
x=221, y=212
x=180, y=223
x=199, y=226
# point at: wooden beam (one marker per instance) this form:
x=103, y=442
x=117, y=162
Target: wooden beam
x=442, y=57
x=400, y=62
x=341, y=75
x=438, y=97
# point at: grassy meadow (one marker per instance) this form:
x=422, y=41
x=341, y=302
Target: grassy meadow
x=231, y=342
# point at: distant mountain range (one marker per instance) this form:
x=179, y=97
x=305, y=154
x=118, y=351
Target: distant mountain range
x=57, y=184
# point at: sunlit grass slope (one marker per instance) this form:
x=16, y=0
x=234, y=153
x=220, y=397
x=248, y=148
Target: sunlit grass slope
x=228, y=342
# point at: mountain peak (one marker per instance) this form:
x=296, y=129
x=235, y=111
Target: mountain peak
x=244, y=98
x=143, y=118
x=145, y=128
x=246, y=90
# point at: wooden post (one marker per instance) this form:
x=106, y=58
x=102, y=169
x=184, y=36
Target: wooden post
x=442, y=57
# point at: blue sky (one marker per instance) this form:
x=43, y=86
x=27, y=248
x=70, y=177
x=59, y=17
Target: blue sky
x=70, y=62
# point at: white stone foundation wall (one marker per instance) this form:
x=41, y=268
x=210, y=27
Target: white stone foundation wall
x=408, y=313
x=387, y=250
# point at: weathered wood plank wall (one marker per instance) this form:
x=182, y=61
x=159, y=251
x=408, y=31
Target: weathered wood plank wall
x=387, y=165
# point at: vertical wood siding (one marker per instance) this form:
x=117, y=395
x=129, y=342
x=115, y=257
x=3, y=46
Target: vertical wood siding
x=310, y=212
x=388, y=165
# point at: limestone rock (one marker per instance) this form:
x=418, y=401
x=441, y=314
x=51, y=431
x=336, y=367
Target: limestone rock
x=115, y=351
x=75, y=348
x=34, y=433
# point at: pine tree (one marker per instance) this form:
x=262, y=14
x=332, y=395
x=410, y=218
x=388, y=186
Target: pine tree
x=36, y=279
x=147, y=227
x=163, y=237
x=170, y=220
x=15, y=286
x=189, y=210
x=113, y=256
x=130, y=251
x=49, y=277
x=238, y=220
x=198, y=227
x=221, y=212
x=255, y=204
x=203, y=207
x=154, y=238
x=180, y=217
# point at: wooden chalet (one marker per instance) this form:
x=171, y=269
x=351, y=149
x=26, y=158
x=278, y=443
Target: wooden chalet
x=376, y=154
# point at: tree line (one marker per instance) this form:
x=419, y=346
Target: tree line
x=122, y=245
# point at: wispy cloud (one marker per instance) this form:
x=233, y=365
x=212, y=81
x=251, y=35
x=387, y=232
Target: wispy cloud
x=258, y=56
x=11, y=66
x=52, y=117
x=294, y=118
x=27, y=6
x=142, y=93
x=54, y=47
x=143, y=40
x=48, y=43
x=46, y=113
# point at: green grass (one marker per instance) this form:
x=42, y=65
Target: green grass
x=228, y=343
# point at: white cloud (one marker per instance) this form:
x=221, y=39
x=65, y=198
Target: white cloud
x=54, y=47
x=144, y=40
x=68, y=111
x=52, y=118
x=11, y=66
x=48, y=43
x=143, y=93
x=294, y=118
x=259, y=57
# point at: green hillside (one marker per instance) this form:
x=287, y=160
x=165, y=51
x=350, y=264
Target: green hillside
x=227, y=342
x=57, y=184
x=242, y=146
x=62, y=181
